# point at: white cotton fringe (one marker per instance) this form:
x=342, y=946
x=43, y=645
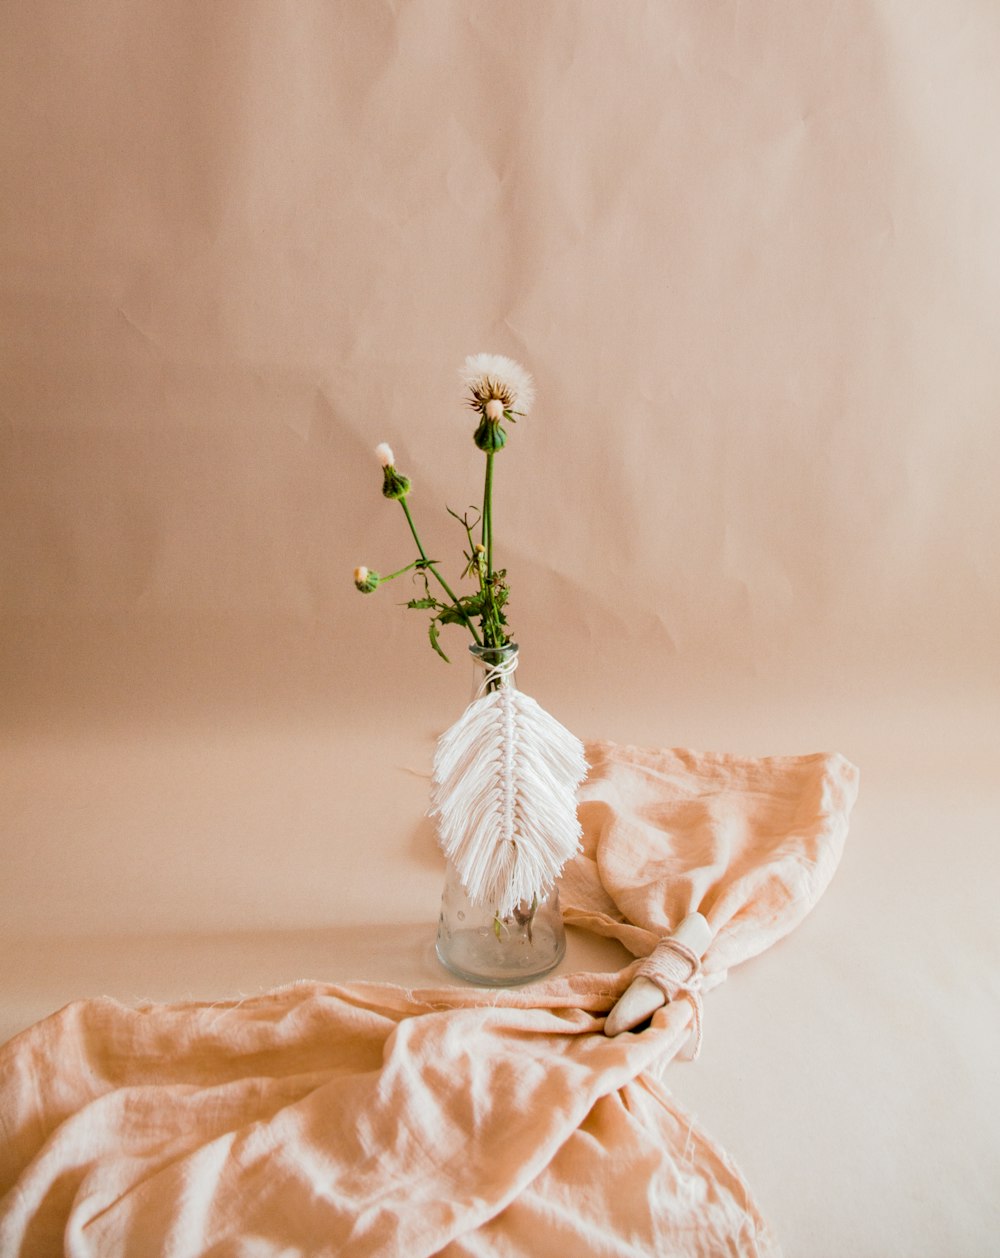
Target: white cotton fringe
x=504, y=795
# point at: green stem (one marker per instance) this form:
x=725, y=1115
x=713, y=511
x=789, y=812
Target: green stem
x=401, y=571
x=488, y=514
x=444, y=584
x=484, y=520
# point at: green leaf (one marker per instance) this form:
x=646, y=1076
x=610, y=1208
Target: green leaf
x=432, y=630
x=466, y=608
x=473, y=604
x=422, y=604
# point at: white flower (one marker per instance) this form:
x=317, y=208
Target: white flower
x=383, y=452
x=360, y=575
x=492, y=377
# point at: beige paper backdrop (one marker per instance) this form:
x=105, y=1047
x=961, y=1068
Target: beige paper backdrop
x=750, y=253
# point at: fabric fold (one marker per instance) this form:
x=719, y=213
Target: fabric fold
x=366, y=1119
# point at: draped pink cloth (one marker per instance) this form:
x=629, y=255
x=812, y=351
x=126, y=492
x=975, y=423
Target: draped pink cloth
x=369, y=1120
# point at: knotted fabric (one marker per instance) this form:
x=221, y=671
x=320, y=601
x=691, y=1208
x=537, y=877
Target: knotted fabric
x=368, y=1120
x=676, y=970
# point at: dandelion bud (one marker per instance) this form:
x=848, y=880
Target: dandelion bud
x=366, y=580
x=394, y=485
x=490, y=437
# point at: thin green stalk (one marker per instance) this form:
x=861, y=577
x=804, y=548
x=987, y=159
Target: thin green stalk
x=488, y=514
x=444, y=584
x=392, y=575
x=484, y=521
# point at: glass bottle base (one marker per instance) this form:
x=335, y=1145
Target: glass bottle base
x=477, y=956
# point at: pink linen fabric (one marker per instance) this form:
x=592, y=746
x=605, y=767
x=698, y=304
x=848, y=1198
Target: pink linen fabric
x=370, y=1120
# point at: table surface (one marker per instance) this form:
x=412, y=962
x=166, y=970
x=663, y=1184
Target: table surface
x=851, y=1072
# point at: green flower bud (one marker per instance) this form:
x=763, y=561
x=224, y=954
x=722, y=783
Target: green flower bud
x=394, y=485
x=366, y=580
x=489, y=436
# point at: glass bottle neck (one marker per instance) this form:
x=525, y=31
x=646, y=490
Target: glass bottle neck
x=493, y=668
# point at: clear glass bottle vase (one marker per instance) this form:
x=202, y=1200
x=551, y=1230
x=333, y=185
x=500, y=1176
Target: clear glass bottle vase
x=473, y=941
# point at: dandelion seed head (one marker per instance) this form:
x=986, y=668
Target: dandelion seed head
x=494, y=378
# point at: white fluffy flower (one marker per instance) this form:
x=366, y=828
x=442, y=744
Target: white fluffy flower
x=492, y=377
x=383, y=452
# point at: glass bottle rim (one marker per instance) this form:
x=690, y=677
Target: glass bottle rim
x=492, y=654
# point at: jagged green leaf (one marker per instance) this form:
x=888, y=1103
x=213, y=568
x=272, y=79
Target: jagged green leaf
x=466, y=608
x=432, y=630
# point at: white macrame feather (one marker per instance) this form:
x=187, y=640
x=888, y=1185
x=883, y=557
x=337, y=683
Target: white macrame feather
x=504, y=795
